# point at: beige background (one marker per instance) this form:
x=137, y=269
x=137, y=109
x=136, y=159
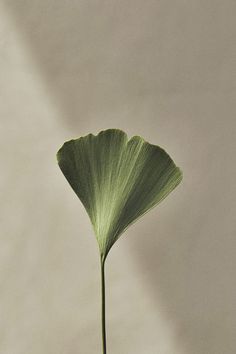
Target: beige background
x=165, y=70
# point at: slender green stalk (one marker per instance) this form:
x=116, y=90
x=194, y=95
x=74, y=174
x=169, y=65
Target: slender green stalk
x=104, y=344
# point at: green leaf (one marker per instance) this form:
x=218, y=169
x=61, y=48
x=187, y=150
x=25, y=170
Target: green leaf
x=117, y=180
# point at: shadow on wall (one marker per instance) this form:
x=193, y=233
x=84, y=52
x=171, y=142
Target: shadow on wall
x=98, y=59
x=86, y=61
x=92, y=65
x=186, y=252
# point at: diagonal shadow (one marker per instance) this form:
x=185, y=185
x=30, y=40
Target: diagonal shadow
x=81, y=56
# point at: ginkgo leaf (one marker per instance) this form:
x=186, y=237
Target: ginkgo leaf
x=117, y=180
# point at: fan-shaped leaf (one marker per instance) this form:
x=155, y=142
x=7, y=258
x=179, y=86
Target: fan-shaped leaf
x=116, y=179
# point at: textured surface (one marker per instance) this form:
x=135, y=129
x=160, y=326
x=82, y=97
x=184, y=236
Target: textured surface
x=164, y=70
x=117, y=180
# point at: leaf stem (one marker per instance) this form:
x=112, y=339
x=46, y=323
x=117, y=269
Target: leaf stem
x=104, y=345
